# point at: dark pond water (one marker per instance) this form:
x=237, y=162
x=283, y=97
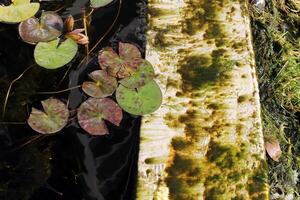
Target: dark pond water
x=70, y=165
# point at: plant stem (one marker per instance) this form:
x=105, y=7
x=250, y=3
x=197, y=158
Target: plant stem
x=86, y=31
x=109, y=29
x=60, y=91
x=12, y=123
x=10, y=86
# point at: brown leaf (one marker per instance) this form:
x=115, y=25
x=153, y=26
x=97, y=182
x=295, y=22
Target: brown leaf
x=273, y=149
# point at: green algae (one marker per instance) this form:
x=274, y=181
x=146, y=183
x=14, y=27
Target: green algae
x=172, y=120
x=243, y=98
x=224, y=156
x=155, y=160
x=160, y=40
x=185, y=173
x=221, y=170
x=158, y=12
x=200, y=70
x=258, y=183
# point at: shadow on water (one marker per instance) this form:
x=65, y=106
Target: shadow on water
x=70, y=165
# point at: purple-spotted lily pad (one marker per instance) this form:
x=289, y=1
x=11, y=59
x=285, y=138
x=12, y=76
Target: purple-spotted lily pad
x=102, y=85
x=45, y=29
x=140, y=101
x=122, y=65
x=143, y=75
x=92, y=113
x=52, y=119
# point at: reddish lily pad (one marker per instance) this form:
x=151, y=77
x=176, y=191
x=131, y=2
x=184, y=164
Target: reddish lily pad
x=103, y=85
x=141, y=77
x=45, y=29
x=122, y=65
x=52, y=119
x=92, y=113
x=140, y=101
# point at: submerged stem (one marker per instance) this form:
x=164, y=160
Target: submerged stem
x=60, y=91
x=34, y=139
x=10, y=86
x=59, y=9
x=85, y=31
x=12, y=123
x=109, y=29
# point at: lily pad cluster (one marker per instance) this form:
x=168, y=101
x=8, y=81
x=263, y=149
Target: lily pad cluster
x=55, y=47
x=124, y=75
x=137, y=92
x=52, y=49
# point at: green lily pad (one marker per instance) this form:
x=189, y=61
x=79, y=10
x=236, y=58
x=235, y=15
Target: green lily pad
x=141, y=77
x=100, y=3
x=122, y=65
x=18, y=11
x=140, y=101
x=52, y=55
x=48, y=28
x=92, y=113
x=103, y=85
x=52, y=119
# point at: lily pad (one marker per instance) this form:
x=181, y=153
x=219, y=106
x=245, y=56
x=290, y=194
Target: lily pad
x=100, y=3
x=52, y=55
x=92, y=113
x=48, y=28
x=52, y=119
x=141, y=77
x=122, y=65
x=140, y=101
x=18, y=11
x=103, y=85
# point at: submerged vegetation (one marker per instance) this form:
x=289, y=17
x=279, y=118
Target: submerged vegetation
x=276, y=35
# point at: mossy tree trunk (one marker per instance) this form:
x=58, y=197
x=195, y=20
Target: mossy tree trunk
x=206, y=141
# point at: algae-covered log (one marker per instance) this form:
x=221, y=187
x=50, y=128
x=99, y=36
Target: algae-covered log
x=206, y=141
